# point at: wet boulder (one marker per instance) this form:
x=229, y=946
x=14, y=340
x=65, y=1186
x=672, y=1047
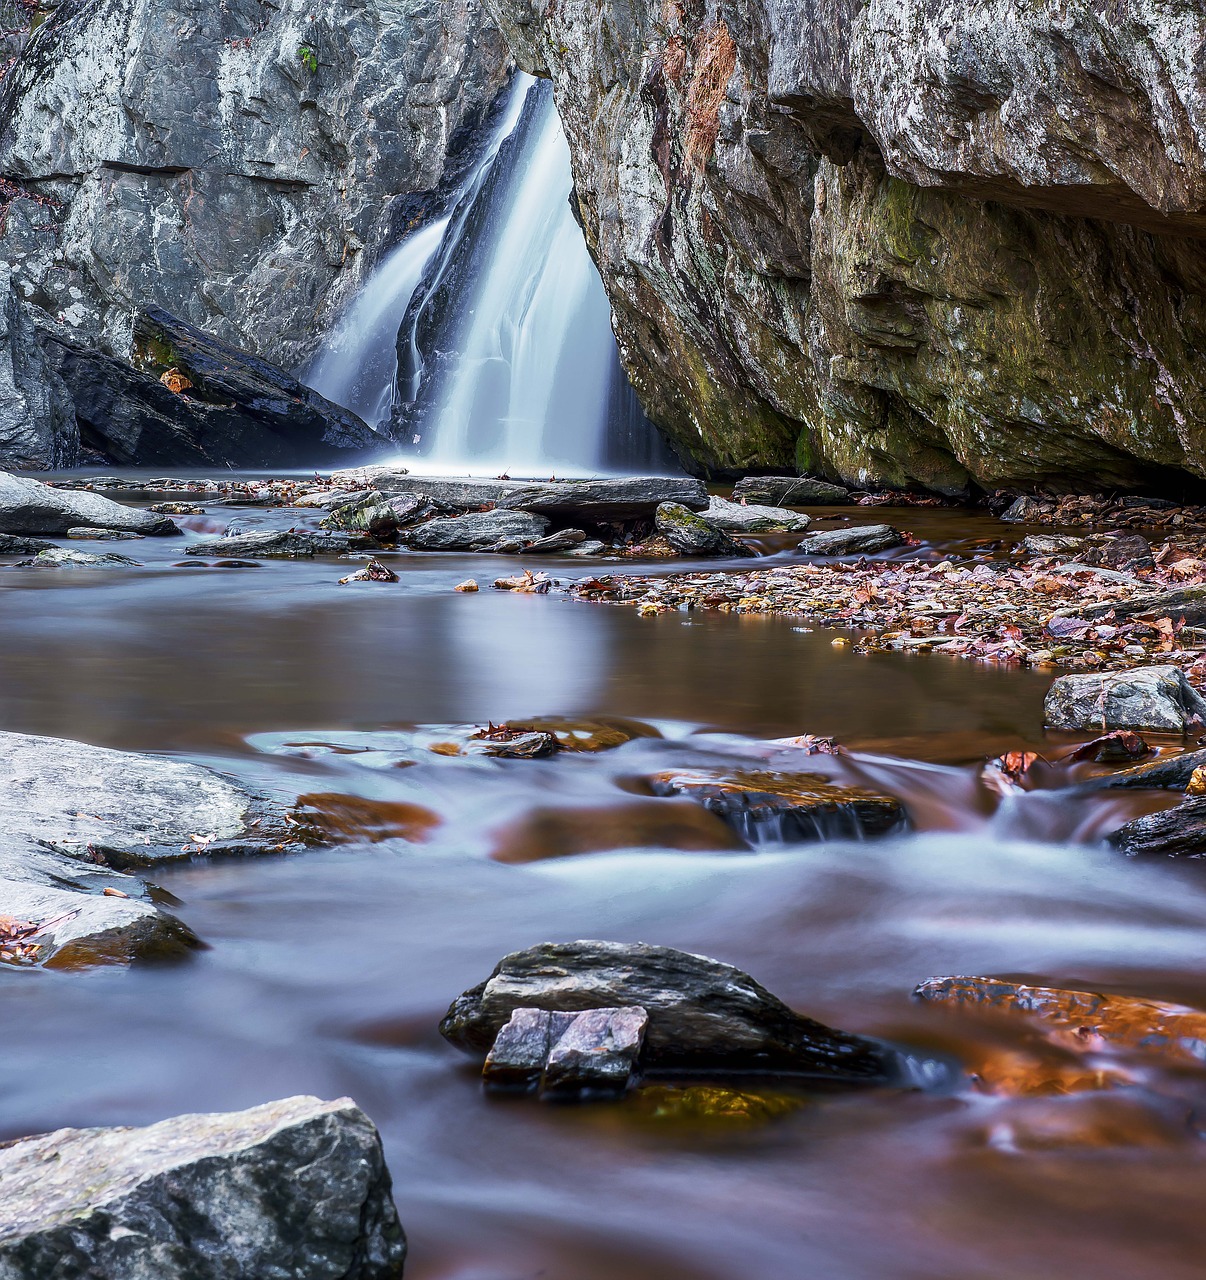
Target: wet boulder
x=277, y=544
x=1027, y=510
x=381, y=517
x=613, y=499
x=69, y=558
x=1181, y=604
x=1158, y=698
x=703, y=1015
x=124, y=809
x=567, y=1055
x=1051, y=544
x=29, y=507
x=796, y=491
x=478, y=531
x=1173, y=833
x=767, y=805
x=295, y=1188
x=58, y=911
x=737, y=517
x=12, y=545
x=859, y=540
x=690, y=534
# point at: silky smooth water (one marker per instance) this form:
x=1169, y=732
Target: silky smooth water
x=328, y=971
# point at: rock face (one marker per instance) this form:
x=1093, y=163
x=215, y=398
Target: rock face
x=1148, y=698
x=899, y=242
x=127, y=809
x=295, y=1188
x=702, y=1014
x=28, y=506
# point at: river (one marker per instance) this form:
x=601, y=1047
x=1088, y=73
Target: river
x=327, y=972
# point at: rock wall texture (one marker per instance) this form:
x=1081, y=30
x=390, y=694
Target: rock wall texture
x=236, y=164
x=899, y=242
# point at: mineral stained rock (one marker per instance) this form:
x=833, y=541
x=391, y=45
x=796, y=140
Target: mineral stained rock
x=897, y=243
x=703, y=1014
x=1158, y=698
x=296, y=1188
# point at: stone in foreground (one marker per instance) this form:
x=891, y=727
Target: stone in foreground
x=765, y=805
x=1172, y=833
x=567, y=1055
x=65, y=913
x=690, y=534
x=703, y=1015
x=128, y=809
x=479, y=531
x=31, y=507
x=291, y=1190
x=1159, y=698
x=861, y=540
x=798, y=491
x=740, y=517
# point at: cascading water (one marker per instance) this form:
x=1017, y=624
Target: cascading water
x=484, y=339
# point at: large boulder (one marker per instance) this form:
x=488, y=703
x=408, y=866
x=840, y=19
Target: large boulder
x=742, y=517
x=799, y=491
x=691, y=534
x=1158, y=698
x=900, y=242
x=276, y=544
x=296, y=1188
x=479, y=531
x=618, y=498
x=191, y=401
x=67, y=913
x=31, y=507
x=122, y=808
x=703, y=1014
x=1179, y=832
x=857, y=540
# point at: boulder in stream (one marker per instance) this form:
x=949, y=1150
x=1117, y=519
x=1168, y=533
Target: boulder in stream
x=796, y=491
x=763, y=805
x=1181, y=604
x=738, y=517
x=66, y=913
x=1158, y=698
x=31, y=507
x=1172, y=833
x=277, y=544
x=478, y=531
x=703, y=1015
x=614, y=499
x=567, y=1055
x=12, y=545
x=858, y=540
x=123, y=809
x=690, y=534
x=70, y=558
x=296, y=1188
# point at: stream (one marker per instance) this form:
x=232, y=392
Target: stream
x=327, y=972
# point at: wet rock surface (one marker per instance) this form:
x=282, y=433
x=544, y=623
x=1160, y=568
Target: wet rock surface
x=703, y=1015
x=29, y=507
x=618, y=498
x=1179, y=832
x=859, y=540
x=1147, y=698
x=13, y=545
x=567, y=1055
x=691, y=534
x=796, y=491
x=69, y=558
x=277, y=544
x=737, y=517
x=293, y=1188
x=478, y=531
x=767, y=805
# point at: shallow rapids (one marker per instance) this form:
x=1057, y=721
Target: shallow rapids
x=326, y=972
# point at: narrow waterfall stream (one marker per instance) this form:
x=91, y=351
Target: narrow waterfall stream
x=484, y=338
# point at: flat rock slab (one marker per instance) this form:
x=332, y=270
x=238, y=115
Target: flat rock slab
x=69, y=558
x=478, y=531
x=1159, y=698
x=613, y=500
x=28, y=506
x=276, y=544
x=1173, y=833
x=691, y=534
x=77, y=922
x=567, y=1055
x=763, y=805
x=703, y=1015
x=129, y=809
x=291, y=1190
x=860, y=540
x=796, y=491
x=740, y=517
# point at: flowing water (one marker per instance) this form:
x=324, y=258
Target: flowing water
x=327, y=972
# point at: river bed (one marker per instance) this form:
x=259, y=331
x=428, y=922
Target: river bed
x=327, y=972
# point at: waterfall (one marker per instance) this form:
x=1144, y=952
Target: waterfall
x=484, y=339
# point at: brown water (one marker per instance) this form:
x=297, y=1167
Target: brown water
x=327, y=972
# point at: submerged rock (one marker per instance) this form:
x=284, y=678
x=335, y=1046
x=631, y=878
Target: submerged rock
x=751, y=518
x=703, y=1015
x=480, y=531
x=615, y=499
x=796, y=491
x=691, y=534
x=104, y=535
x=767, y=805
x=1159, y=698
x=295, y=1188
x=121, y=808
x=1173, y=833
x=858, y=540
x=28, y=506
x=66, y=913
x=277, y=544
